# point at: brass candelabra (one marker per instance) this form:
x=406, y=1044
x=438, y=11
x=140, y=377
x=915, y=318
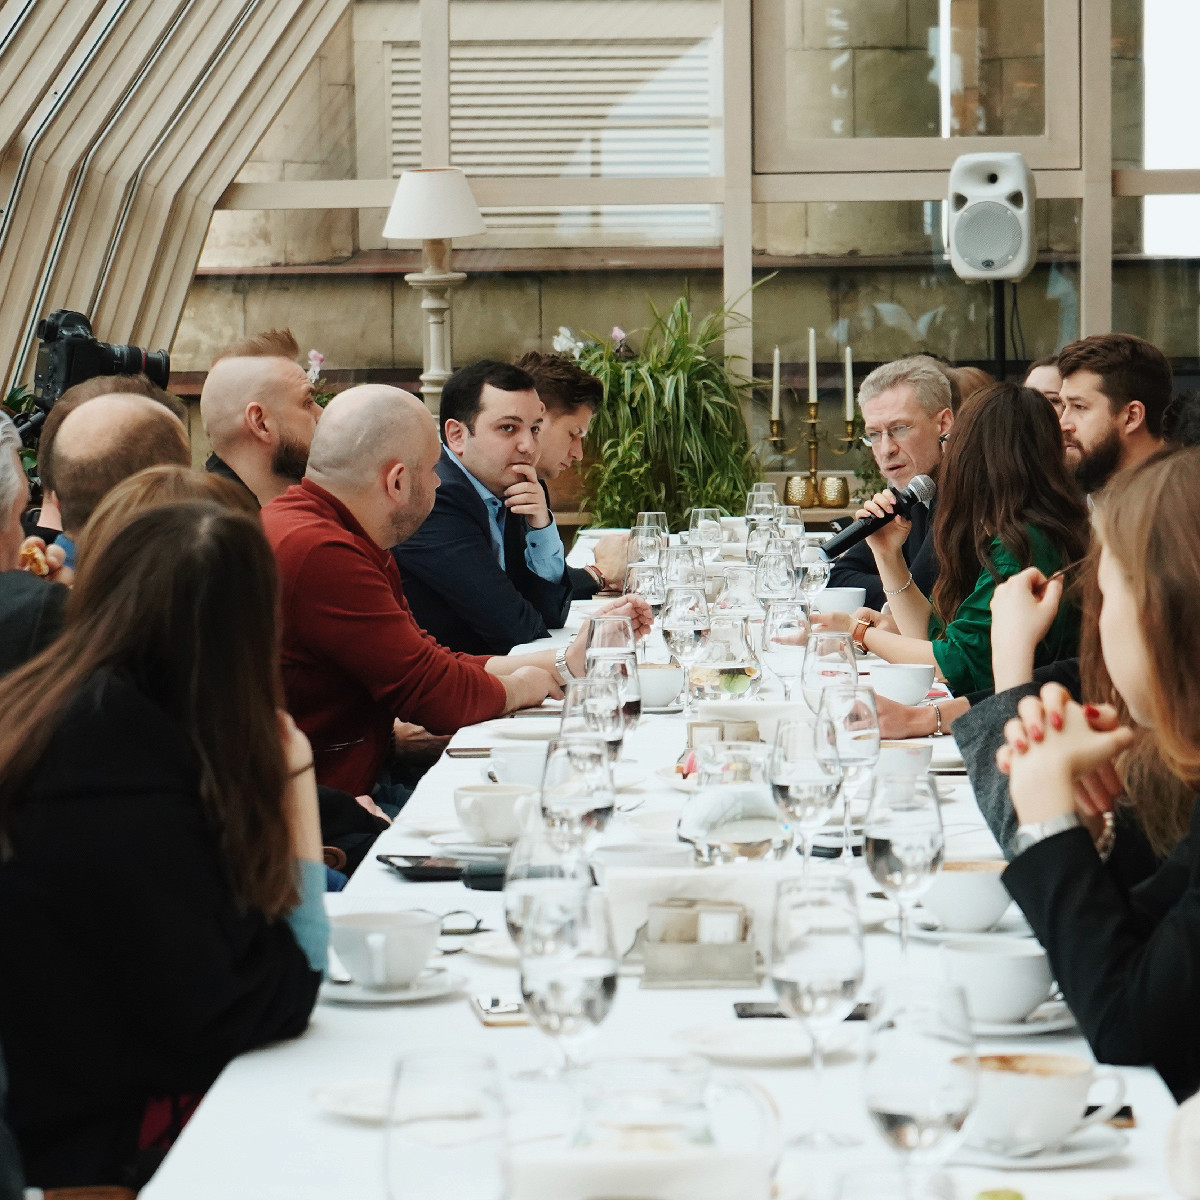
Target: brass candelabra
x=809, y=490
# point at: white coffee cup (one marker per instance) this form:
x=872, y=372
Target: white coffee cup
x=384, y=949
x=660, y=682
x=909, y=759
x=661, y=855
x=493, y=813
x=905, y=683
x=967, y=896
x=1029, y=1101
x=1004, y=979
x=840, y=599
x=519, y=764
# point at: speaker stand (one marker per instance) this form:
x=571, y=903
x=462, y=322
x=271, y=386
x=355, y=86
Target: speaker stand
x=998, y=332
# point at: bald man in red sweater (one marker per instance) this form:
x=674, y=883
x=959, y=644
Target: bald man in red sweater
x=354, y=660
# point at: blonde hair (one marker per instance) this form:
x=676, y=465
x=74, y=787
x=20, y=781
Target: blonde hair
x=920, y=372
x=273, y=343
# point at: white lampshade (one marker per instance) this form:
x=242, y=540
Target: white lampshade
x=433, y=202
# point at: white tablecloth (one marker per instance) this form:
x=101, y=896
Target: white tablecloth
x=258, y=1134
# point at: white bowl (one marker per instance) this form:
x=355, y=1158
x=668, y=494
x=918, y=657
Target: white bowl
x=661, y=683
x=905, y=683
x=1004, y=979
x=966, y=896
x=840, y=599
x=909, y=759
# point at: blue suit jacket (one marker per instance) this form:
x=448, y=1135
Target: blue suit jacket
x=456, y=588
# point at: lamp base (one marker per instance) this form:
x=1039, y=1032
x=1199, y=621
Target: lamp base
x=435, y=285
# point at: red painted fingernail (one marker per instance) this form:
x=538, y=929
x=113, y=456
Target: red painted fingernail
x=1035, y=732
x=1022, y=746
x=1056, y=720
x=1091, y=711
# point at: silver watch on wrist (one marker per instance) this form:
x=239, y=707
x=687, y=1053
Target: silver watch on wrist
x=1039, y=831
x=560, y=665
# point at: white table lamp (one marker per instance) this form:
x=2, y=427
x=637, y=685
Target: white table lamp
x=434, y=205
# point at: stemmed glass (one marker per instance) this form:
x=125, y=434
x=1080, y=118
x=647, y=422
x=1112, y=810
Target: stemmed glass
x=784, y=638
x=646, y=580
x=649, y=518
x=817, y=970
x=761, y=502
x=685, y=626
x=774, y=576
x=593, y=705
x=904, y=840
x=645, y=545
x=607, y=636
x=828, y=660
x=760, y=537
x=705, y=531
x=813, y=566
x=622, y=670
x=568, y=965
x=806, y=776
x=791, y=522
x=577, y=789
x=922, y=1076
x=853, y=722
x=683, y=566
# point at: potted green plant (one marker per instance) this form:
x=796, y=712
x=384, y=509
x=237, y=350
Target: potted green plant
x=670, y=435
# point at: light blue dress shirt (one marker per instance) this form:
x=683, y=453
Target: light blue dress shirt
x=544, y=554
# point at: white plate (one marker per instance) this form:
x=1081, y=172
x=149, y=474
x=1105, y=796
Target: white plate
x=429, y=985
x=363, y=1100
x=495, y=947
x=663, y=823
x=673, y=779
x=1012, y=924
x=1087, y=1147
x=767, y=1042
x=524, y=729
x=946, y=754
x=666, y=710
x=457, y=844
x=1052, y=1017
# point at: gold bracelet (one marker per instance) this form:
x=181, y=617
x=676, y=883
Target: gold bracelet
x=897, y=592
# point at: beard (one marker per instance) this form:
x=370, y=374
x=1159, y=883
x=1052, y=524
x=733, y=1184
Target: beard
x=289, y=459
x=1098, y=465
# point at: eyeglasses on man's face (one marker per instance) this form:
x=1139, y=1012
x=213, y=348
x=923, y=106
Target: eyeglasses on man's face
x=896, y=433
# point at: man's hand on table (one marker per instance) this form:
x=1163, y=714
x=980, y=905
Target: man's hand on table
x=528, y=686
x=611, y=556
x=414, y=741
x=632, y=606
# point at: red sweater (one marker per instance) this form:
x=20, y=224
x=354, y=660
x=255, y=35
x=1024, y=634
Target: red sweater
x=353, y=656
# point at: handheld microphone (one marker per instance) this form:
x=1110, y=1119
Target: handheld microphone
x=919, y=491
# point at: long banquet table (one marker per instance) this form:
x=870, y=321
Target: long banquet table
x=260, y=1134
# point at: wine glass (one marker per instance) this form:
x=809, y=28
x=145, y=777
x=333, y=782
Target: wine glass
x=904, y=840
x=854, y=726
x=806, y=776
x=577, y=789
x=760, y=502
x=608, y=635
x=759, y=539
x=537, y=864
x=705, y=532
x=685, y=626
x=828, y=660
x=784, y=638
x=652, y=518
x=813, y=566
x=817, y=970
x=922, y=1076
x=791, y=522
x=569, y=966
x=622, y=670
x=683, y=566
x=593, y=705
x=645, y=544
x=774, y=576
x=646, y=580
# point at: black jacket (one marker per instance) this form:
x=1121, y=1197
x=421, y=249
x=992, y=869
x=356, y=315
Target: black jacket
x=455, y=587
x=30, y=616
x=856, y=567
x=128, y=970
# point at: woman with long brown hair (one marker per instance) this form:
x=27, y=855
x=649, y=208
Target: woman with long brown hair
x=1006, y=501
x=1127, y=959
x=160, y=854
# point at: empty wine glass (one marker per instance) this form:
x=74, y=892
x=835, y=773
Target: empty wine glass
x=854, y=726
x=622, y=670
x=538, y=864
x=569, y=966
x=685, y=627
x=645, y=545
x=609, y=635
x=761, y=502
x=921, y=1076
x=683, y=566
x=652, y=518
x=904, y=840
x=817, y=970
x=774, y=576
x=828, y=660
x=593, y=705
x=791, y=522
x=784, y=639
x=806, y=776
x=705, y=532
x=577, y=789
x=759, y=538
x=813, y=566
x=646, y=580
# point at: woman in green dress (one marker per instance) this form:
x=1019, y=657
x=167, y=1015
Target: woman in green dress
x=1006, y=501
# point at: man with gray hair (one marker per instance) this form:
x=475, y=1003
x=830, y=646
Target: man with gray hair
x=355, y=662
x=907, y=415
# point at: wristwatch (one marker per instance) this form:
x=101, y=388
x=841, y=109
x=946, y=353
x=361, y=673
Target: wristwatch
x=560, y=665
x=1039, y=831
x=859, y=634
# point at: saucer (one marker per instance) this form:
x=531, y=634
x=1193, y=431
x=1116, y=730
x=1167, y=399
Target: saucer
x=1011, y=925
x=457, y=844
x=665, y=710
x=1052, y=1017
x=429, y=985
x=674, y=780
x=770, y=1042
x=495, y=947
x=1091, y=1145
x=525, y=729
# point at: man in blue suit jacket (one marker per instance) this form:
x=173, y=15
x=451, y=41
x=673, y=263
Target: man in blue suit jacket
x=487, y=571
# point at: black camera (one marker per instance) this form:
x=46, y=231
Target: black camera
x=71, y=353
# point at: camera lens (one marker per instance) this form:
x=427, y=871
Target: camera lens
x=133, y=360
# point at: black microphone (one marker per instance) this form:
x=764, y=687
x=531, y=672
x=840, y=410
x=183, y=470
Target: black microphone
x=919, y=491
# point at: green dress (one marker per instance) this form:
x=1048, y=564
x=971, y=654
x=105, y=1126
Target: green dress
x=963, y=648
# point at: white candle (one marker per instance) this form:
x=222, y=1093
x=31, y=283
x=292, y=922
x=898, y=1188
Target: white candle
x=775, y=388
x=812, y=366
x=849, y=385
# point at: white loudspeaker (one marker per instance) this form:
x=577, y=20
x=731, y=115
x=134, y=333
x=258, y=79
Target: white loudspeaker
x=991, y=217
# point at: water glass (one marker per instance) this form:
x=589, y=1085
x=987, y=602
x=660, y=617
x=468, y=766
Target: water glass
x=759, y=539
x=650, y=518
x=683, y=566
x=849, y=714
x=577, y=789
x=829, y=659
x=622, y=670
x=538, y=864
x=806, y=777
x=813, y=567
x=593, y=705
x=645, y=545
x=705, y=532
x=609, y=635
x=904, y=840
x=774, y=575
x=446, y=1120
x=817, y=970
x=784, y=640
x=569, y=965
x=685, y=627
x=791, y=522
x=647, y=581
